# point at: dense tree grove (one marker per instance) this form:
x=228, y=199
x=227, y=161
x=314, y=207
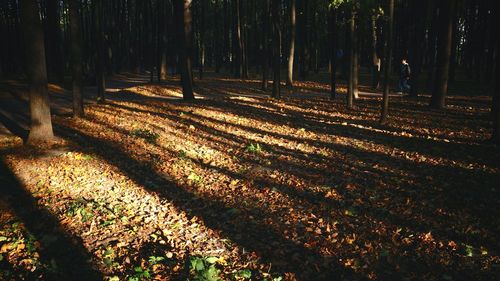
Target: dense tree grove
x=234, y=140
x=91, y=39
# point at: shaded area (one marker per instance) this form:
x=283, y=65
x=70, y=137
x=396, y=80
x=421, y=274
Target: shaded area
x=58, y=248
x=383, y=181
x=271, y=246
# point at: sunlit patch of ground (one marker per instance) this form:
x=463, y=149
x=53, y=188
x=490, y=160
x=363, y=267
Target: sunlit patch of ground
x=250, y=186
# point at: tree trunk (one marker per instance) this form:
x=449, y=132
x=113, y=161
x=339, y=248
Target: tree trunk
x=265, y=46
x=100, y=78
x=352, y=60
x=202, y=40
x=304, y=52
x=387, y=62
x=276, y=48
x=291, y=50
x=333, y=47
x=355, y=62
x=243, y=50
x=36, y=71
x=495, y=107
x=76, y=57
x=445, y=37
x=184, y=9
x=375, y=56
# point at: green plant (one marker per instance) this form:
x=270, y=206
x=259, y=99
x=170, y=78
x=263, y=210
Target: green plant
x=139, y=274
x=254, y=148
x=109, y=257
x=195, y=178
x=243, y=274
x=204, y=269
x=78, y=207
x=155, y=259
x=146, y=134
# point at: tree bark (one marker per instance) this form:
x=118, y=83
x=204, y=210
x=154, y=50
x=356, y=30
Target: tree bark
x=265, y=46
x=76, y=56
x=202, y=40
x=495, y=107
x=100, y=75
x=375, y=56
x=303, y=27
x=387, y=62
x=291, y=50
x=276, y=48
x=184, y=9
x=333, y=47
x=36, y=71
x=352, y=58
x=445, y=37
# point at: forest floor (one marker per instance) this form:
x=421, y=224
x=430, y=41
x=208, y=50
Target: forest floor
x=238, y=186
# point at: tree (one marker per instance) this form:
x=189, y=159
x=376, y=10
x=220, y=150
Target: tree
x=495, y=106
x=291, y=50
x=303, y=43
x=387, y=61
x=265, y=45
x=445, y=37
x=184, y=12
x=375, y=14
x=240, y=68
x=36, y=71
x=100, y=75
x=352, y=58
x=76, y=57
x=333, y=49
x=276, y=7
x=202, y=39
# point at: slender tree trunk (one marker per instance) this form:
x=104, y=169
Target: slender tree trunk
x=387, y=62
x=36, y=70
x=291, y=51
x=184, y=8
x=445, y=37
x=352, y=60
x=495, y=107
x=217, y=38
x=100, y=74
x=276, y=48
x=333, y=47
x=227, y=43
x=243, y=36
x=304, y=52
x=150, y=33
x=76, y=57
x=355, y=63
x=202, y=40
x=375, y=56
x=265, y=46
x=161, y=58
x=238, y=41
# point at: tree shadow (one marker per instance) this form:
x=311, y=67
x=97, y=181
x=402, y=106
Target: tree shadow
x=63, y=251
x=451, y=197
x=271, y=246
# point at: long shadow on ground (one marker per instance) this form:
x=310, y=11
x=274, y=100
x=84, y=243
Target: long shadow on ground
x=271, y=246
x=58, y=247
